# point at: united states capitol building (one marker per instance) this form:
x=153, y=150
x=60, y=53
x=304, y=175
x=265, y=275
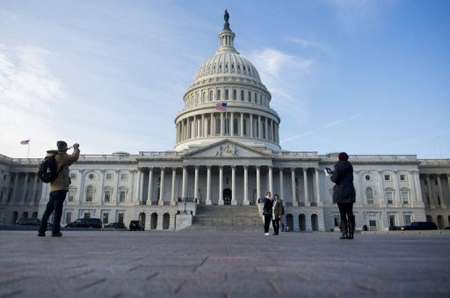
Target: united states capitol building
x=231, y=157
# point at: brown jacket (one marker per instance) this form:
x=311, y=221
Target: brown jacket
x=63, y=160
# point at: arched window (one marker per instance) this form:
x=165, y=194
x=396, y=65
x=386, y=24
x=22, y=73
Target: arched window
x=256, y=98
x=218, y=94
x=242, y=95
x=249, y=97
x=89, y=193
x=389, y=195
x=210, y=95
x=226, y=94
x=369, y=195
x=234, y=94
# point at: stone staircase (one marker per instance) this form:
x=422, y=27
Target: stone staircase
x=242, y=218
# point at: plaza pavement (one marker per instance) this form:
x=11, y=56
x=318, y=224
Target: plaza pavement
x=208, y=263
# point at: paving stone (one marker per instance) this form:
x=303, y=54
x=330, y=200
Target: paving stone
x=223, y=263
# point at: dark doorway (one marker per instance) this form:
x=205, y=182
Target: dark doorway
x=227, y=196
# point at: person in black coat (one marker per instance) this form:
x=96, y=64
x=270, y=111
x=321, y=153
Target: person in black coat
x=267, y=212
x=344, y=194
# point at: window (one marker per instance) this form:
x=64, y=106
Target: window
x=249, y=97
x=210, y=95
x=122, y=196
x=405, y=196
x=123, y=177
x=89, y=194
x=87, y=215
x=218, y=95
x=107, y=196
x=387, y=177
x=389, y=196
x=336, y=220
x=109, y=176
x=408, y=218
x=68, y=217
x=234, y=94
x=120, y=218
x=367, y=177
x=71, y=195
x=392, y=220
x=369, y=195
x=105, y=218
x=402, y=177
x=226, y=94
x=91, y=176
x=242, y=95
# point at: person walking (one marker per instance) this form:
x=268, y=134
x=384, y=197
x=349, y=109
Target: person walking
x=59, y=187
x=344, y=194
x=267, y=212
x=277, y=213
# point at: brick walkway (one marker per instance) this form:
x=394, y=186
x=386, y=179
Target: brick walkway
x=196, y=263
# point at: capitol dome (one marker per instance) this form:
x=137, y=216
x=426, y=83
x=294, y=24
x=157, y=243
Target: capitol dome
x=227, y=100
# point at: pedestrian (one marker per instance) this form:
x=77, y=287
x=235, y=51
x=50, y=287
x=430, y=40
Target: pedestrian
x=277, y=213
x=59, y=187
x=267, y=212
x=344, y=194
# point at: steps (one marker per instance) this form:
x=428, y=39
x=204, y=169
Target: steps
x=227, y=218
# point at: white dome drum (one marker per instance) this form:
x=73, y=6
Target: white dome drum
x=228, y=79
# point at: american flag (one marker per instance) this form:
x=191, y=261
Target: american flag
x=24, y=142
x=221, y=106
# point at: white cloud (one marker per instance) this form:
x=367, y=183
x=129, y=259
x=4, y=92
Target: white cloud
x=309, y=44
x=27, y=93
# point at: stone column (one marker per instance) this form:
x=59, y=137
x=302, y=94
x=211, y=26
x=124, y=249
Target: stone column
x=202, y=127
x=242, y=124
x=196, y=183
x=231, y=128
x=220, y=185
x=233, y=185
x=193, y=127
x=161, y=188
x=305, y=186
x=251, y=125
x=430, y=192
x=150, y=186
x=102, y=189
x=172, y=195
x=319, y=202
x=441, y=192
x=184, y=184
x=382, y=201
x=271, y=180
x=212, y=124
x=246, y=201
x=222, y=125
x=36, y=180
x=181, y=136
x=24, y=190
x=259, y=127
x=266, y=126
x=208, y=185
x=294, y=193
x=258, y=183
x=140, y=190
x=358, y=188
x=16, y=181
x=397, y=189
x=281, y=185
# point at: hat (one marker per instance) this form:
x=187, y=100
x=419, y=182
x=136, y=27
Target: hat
x=62, y=146
x=343, y=156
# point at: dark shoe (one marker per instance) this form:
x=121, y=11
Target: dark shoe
x=41, y=235
x=344, y=233
x=57, y=235
x=351, y=231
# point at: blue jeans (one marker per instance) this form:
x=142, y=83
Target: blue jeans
x=54, y=204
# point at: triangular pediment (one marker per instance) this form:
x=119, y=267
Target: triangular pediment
x=227, y=149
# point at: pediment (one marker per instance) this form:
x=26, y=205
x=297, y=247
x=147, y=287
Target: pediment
x=227, y=149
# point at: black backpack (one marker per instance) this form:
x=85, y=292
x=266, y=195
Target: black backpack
x=48, y=171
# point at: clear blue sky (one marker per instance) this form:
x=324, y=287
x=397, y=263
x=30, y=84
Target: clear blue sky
x=367, y=77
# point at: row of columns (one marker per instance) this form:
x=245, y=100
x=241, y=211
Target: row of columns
x=246, y=200
x=431, y=193
x=202, y=126
x=23, y=195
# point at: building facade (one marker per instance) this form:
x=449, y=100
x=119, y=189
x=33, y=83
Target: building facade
x=231, y=156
